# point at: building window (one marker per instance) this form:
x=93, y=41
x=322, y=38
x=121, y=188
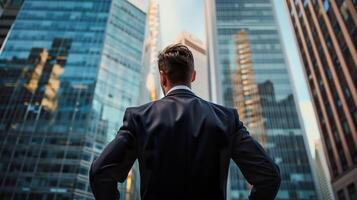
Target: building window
x=349, y=140
x=347, y=92
x=80, y=185
x=345, y=128
x=335, y=25
x=344, y=12
x=343, y=159
x=335, y=135
x=329, y=42
x=326, y=5
x=328, y=143
x=322, y=24
x=328, y=73
x=352, y=191
x=354, y=36
x=336, y=62
x=305, y=2
x=337, y=101
x=349, y=60
x=300, y=13
x=347, y=17
x=341, y=195
x=329, y=111
x=339, y=2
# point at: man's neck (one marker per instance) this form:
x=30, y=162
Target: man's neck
x=179, y=86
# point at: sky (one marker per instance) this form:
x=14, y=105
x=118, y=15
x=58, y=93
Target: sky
x=188, y=15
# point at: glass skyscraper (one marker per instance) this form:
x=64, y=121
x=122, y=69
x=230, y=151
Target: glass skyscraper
x=68, y=70
x=247, y=56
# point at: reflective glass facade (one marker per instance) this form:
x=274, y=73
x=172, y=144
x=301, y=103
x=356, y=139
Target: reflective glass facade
x=8, y=13
x=67, y=72
x=253, y=74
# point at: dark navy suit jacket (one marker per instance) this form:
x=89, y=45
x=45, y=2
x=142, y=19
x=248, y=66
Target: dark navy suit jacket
x=184, y=145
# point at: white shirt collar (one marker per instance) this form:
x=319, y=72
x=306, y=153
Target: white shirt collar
x=177, y=87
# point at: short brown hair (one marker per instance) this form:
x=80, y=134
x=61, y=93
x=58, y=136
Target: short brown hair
x=177, y=62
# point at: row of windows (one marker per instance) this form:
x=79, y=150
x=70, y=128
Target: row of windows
x=62, y=16
x=67, y=6
x=351, y=191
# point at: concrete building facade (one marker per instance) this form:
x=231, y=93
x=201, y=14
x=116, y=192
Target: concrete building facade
x=326, y=34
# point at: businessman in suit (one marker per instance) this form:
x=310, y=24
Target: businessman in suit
x=183, y=144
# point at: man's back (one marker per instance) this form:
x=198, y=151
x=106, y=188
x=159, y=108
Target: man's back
x=183, y=145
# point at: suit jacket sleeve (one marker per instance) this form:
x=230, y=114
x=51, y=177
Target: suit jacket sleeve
x=113, y=164
x=259, y=170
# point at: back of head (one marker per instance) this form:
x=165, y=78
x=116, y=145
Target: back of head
x=177, y=62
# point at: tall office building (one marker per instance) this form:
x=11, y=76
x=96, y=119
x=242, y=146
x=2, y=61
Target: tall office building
x=326, y=34
x=322, y=172
x=246, y=53
x=151, y=86
x=68, y=70
x=201, y=86
x=8, y=13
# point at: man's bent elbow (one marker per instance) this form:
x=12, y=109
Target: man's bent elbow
x=277, y=177
x=93, y=173
x=277, y=181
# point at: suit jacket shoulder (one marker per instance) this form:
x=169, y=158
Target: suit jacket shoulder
x=229, y=112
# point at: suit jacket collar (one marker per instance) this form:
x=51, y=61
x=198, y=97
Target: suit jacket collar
x=178, y=87
x=180, y=91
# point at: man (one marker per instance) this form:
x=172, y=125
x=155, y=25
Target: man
x=183, y=144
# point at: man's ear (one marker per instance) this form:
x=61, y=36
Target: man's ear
x=193, y=76
x=163, y=78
